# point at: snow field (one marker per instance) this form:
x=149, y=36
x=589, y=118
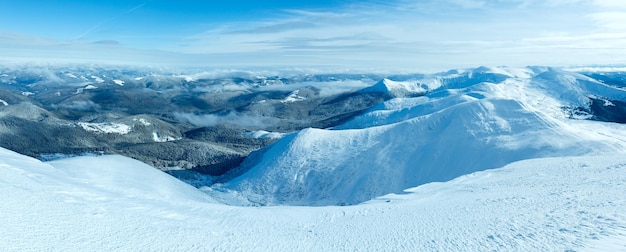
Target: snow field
x=111, y=202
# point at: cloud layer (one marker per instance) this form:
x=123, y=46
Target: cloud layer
x=242, y=120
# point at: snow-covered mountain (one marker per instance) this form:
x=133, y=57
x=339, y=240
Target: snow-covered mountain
x=198, y=120
x=467, y=121
x=396, y=89
x=473, y=160
x=115, y=203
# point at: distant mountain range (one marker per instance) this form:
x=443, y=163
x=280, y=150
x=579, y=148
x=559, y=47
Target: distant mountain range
x=528, y=159
x=209, y=122
x=206, y=122
x=438, y=128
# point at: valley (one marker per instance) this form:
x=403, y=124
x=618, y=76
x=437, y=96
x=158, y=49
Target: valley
x=470, y=159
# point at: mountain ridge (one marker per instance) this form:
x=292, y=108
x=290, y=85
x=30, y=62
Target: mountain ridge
x=445, y=134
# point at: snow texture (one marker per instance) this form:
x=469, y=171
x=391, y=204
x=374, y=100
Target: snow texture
x=396, y=89
x=115, y=203
x=484, y=119
x=108, y=128
x=90, y=87
x=161, y=139
x=119, y=82
x=294, y=97
x=97, y=79
x=485, y=160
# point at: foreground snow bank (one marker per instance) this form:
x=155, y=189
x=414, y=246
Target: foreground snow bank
x=125, y=176
x=81, y=204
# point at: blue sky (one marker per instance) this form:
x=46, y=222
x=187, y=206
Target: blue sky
x=394, y=35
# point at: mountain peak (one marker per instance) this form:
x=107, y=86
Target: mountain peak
x=396, y=89
x=479, y=119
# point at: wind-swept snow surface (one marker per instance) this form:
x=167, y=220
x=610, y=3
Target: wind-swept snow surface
x=467, y=121
x=114, y=203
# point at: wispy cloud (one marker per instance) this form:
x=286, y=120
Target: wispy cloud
x=276, y=28
x=107, y=42
x=243, y=120
x=410, y=33
x=610, y=4
x=407, y=35
x=613, y=20
x=110, y=19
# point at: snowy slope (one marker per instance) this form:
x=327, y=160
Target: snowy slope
x=456, y=129
x=537, y=89
x=396, y=88
x=113, y=203
x=467, y=121
x=124, y=176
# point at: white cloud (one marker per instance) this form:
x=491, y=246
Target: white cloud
x=610, y=4
x=405, y=34
x=393, y=35
x=232, y=118
x=613, y=20
x=78, y=105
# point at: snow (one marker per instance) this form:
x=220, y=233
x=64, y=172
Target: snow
x=109, y=128
x=142, y=121
x=614, y=242
x=264, y=134
x=87, y=87
x=97, y=79
x=124, y=176
x=119, y=82
x=27, y=93
x=484, y=160
x=403, y=143
x=294, y=97
x=3, y=102
x=115, y=203
x=161, y=139
x=90, y=87
x=396, y=89
x=71, y=75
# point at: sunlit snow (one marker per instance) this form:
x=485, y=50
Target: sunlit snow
x=119, y=82
x=485, y=159
x=477, y=119
x=97, y=79
x=112, y=128
x=115, y=203
x=294, y=97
